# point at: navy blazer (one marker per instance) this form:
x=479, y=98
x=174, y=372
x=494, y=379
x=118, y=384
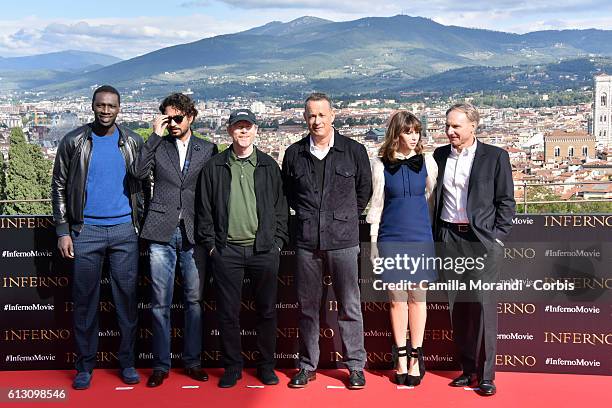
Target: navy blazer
x=490, y=203
x=173, y=192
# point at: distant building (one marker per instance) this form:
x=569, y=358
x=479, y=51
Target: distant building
x=563, y=146
x=375, y=134
x=602, y=110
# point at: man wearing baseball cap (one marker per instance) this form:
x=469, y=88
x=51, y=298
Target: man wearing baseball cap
x=242, y=217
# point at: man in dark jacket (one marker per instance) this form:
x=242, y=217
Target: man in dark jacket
x=242, y=221
x=95, y=209
x=328, y=182
x=175, y=162
x=474, y=209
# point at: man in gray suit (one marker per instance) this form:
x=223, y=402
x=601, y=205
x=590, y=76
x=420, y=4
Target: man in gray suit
x=176, y=161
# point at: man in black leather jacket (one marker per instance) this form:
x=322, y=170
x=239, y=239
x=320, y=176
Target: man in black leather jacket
x=96, y=211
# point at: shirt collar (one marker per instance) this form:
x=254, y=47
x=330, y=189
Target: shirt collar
x=468, y=151
x=252, y=158
x=185, y=143
x=329, y=146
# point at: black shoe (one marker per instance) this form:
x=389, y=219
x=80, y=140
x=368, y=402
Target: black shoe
x=267, y=376
x=487, y=388
x=196, y=373
x=421, y=358
x=229, y=378
x=356, y=380
x=464, y=380
x=157, y=378
x=301, y=379
x=414, y=380
x=396, y=353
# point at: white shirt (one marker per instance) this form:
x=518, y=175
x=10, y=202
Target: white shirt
x=182, y=151
x=321, y=153
x=455, y=184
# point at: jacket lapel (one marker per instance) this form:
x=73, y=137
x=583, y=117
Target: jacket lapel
x=476, y=166
x=173, y=156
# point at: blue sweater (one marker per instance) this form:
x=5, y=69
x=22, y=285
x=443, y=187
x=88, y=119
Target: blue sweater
x=107, y=199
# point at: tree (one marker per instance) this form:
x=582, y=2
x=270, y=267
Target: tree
x=28, y=176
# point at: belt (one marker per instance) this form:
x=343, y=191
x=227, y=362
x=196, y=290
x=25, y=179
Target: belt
x=456, y=227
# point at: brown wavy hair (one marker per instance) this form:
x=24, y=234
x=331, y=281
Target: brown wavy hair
x=400, y=122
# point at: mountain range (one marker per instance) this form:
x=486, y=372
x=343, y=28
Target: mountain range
x=365, y=55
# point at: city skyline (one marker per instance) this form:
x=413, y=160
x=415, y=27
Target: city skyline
x=129, y=29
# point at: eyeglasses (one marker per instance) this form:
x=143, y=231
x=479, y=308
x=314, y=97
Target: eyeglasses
x=177, y=119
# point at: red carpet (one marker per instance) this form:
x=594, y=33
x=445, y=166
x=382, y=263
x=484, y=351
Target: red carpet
x=514, y=389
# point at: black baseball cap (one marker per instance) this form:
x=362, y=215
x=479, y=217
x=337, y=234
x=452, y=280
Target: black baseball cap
x=241, y=114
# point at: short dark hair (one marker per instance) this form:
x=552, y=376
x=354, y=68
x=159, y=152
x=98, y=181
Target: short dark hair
x=318, y=96
x=108, y=89
x=180, y=102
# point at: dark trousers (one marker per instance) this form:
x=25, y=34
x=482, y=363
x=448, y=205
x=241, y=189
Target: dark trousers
x=473, y=312
x=341, y=265
x=91, y=245
x=230, y=265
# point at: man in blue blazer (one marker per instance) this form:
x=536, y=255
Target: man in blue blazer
x=174, y=162
x=474, y=210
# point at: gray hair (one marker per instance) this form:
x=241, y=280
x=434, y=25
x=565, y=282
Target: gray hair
x=318, y=96
x=470, y=111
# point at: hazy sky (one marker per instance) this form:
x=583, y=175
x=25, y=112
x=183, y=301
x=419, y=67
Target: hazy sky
x=127, y=28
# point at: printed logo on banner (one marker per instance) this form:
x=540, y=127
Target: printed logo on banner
x=512, y=360
x=580, y=309
x=109, y=333
x=103, y=306
x=523, y=221
x=377, y=333
x=147, y=333
x=374, y=357
x=34, y=307
x=35, y=282
x=286, y=356
x=149, y=356
x=26, y=223
x=437, y=306
x=287, y=332
x=436, y=358
x=211, y=355
x=516, y=308
x=27, y=335
x=26, y=254
x=21, y=358
x=519, y=253
x=572, y=221
x=209, y=305
x=285, y=280
x=438, y=335
x=576, y=362
x=285, y=306
x=593, y=339
x=147, y=306
x=287, y=253
x=101, y=357
x=515, y=336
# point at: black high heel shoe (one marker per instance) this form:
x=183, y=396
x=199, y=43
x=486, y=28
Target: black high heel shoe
x=414, y=380
x=421, y=362
x=396, y=353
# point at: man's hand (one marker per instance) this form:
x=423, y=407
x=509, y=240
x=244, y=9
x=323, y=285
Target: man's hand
x=160, y=123
x=64, y=244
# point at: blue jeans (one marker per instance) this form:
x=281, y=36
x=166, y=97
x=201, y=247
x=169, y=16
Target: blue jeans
x=91, y=246
x=163, y=259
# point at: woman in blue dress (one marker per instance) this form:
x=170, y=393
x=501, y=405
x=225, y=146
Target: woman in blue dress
x=403, y=182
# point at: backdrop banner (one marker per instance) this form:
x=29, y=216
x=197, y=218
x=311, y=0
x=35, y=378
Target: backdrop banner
x=553, y=310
